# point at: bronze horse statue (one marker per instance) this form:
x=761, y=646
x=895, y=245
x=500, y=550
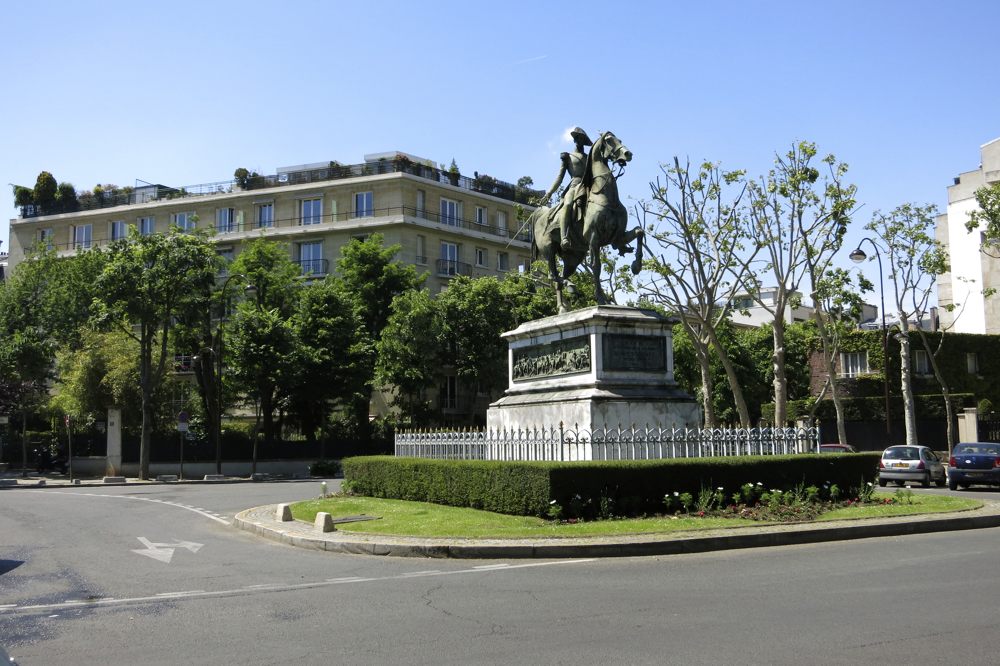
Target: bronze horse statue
x=604, y=222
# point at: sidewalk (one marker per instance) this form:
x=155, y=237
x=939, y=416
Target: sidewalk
x=262, y=521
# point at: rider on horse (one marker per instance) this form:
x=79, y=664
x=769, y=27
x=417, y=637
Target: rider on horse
x=569, y=211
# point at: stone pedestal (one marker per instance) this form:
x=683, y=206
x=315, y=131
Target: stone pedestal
x=598, y=367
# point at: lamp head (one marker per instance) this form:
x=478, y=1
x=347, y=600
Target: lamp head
x=858, y=255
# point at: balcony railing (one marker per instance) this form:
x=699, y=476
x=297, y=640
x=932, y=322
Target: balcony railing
x=150, y=193
x=451, y=268
x=314, y=266
x=447, y=222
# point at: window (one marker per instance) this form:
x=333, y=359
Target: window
x=449, y=392
x=482, y=217
x=146, y=226
x=265, y=215
x=482, y=257
x=311, y=211
x=421, y=250
x=83, y=235
x=972, y=362
x=364, y=204
x=118, y=230
x=921, y=366
x=311, y=258
x=449, y=212
x=227, y=255
x=421, y=203
x=853, y=364
x=503, y=261
x=502, y=221
x=185, y=221
x=45, y=238
x=524, y=264
x=448, y=265
x=224, y=219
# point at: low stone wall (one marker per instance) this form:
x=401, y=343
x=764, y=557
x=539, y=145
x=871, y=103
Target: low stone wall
x=96, y=466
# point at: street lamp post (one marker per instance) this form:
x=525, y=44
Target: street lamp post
x=249, y=289
x=857, y=256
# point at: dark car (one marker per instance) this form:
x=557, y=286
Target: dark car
x=972, y=463
x=836, y=448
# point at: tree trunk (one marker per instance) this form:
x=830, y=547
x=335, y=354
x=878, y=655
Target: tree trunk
x=734, y=381
x=146, y=391
x=706, y=388
x=945, y=390
x=906, y=385
x=780, y=382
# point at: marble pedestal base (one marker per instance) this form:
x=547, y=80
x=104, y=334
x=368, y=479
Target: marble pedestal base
x=600, y=367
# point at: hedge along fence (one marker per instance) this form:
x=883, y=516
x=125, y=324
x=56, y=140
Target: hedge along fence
x=636, y=486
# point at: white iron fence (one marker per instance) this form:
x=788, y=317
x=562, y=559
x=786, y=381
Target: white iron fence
x=606, y=443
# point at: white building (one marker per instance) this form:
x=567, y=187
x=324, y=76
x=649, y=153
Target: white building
x=972, y=270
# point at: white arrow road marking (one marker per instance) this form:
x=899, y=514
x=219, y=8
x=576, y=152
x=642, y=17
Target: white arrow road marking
x=165, y=551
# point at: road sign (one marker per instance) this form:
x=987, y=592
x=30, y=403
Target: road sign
x=182, y=422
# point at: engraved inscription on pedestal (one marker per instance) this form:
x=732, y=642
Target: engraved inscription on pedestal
x=563, y=357
x=633, y=353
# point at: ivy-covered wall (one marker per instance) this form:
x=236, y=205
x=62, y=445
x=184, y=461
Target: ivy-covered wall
x=951, y=358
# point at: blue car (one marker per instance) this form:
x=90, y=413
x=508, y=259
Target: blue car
x=972, y=463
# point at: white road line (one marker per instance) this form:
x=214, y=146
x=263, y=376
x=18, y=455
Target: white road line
x=491, y=566
x=140, y=499
x=8, y=605
x=202, y=594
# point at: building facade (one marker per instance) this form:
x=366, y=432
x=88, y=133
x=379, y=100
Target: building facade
x=974, y=269
x=446, y=224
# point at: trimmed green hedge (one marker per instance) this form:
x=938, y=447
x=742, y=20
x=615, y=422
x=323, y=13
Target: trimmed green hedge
x=527, y=488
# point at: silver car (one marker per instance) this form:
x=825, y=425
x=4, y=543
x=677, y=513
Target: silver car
x=911, y=463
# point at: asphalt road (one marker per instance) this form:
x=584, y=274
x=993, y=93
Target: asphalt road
x=152, y=575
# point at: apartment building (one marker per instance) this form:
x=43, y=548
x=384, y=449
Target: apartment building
x=975, y=265
x=446, y=224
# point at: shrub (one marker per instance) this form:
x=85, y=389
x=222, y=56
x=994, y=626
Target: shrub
x=588, y=489
x=325, y=468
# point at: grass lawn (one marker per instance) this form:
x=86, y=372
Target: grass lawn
x=403, y=518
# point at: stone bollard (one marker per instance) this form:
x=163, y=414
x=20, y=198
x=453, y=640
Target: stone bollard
x=284, y=513
x=324, y=522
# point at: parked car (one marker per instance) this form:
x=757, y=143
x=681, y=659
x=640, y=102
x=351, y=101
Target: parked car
x=911, y=463
x=974, y=462
x=837, y=448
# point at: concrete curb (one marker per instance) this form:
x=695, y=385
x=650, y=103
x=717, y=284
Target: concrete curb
x=260, y=521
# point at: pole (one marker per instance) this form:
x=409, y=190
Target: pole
x=69, y=438
x=885, y=346
x=181, y=475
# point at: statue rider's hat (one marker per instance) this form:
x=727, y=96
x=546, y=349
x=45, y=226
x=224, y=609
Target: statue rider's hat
x=581, y=136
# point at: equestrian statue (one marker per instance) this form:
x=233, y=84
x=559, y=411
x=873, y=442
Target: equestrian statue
x=588, y=216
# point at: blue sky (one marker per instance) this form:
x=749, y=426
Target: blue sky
x=184, y=93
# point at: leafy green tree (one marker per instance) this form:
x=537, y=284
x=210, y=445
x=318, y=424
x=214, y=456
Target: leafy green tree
x=836, y=312
x=261, y=348
x=331, y=354
x=45, y=191
x=409, y=354
x=263, y=338
x=373, y=278
x=987, y=217
x=915, y=260
x=66, y=200
x=147, y=282
x=102, y=373
x=795, y=212
x=700, y=230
